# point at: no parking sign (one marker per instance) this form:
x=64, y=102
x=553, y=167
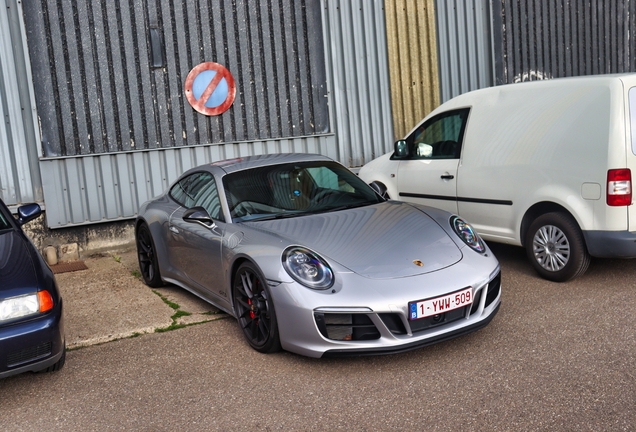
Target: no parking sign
x=210, y=88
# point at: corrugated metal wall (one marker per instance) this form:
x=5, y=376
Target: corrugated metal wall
x=98, y=90
x=465, y=46
x=86, y=189
x=412, y=51
x=359, y=78
x=19, y=173
x=542, y=39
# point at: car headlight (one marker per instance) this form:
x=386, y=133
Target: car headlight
x=25, y=305
x=307, y=268
x=468, y=234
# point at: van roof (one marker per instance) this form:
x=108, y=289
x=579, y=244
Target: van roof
x=531, y=88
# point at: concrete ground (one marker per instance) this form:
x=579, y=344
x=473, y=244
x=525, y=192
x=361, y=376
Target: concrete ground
x=109, y=301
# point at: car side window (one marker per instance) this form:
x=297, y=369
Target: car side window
x=440, y=137
x=199, y=189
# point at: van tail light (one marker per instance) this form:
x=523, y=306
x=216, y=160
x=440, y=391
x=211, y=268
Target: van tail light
x=619, y=187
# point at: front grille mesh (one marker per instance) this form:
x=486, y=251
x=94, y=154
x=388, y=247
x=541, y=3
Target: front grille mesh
x=29, y=354
x=346, y=327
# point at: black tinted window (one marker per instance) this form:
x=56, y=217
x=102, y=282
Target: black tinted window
x=438, y=138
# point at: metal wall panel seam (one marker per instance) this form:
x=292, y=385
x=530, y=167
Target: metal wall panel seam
x=193, y=146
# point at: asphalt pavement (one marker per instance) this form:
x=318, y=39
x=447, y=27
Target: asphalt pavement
x=556, y=357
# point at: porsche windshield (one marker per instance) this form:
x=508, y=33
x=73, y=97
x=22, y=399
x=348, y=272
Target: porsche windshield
x=296, y=189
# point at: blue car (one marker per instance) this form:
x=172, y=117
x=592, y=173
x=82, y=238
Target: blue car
x=31, y=323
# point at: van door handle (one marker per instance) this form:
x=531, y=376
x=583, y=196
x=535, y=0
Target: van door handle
x=448, y=177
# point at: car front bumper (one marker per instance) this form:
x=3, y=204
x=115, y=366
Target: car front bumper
x=377, y=310
x=32, y=345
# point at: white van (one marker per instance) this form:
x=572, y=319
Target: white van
x=545, y=165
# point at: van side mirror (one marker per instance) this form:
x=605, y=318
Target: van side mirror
x=400, y=149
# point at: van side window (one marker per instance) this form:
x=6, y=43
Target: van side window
x=632, y=116
x=198, y=189
x=440, y=137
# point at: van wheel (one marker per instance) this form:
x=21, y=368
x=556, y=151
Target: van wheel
x=555, y=246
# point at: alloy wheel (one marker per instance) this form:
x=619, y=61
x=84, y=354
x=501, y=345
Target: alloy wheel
x=551, y=248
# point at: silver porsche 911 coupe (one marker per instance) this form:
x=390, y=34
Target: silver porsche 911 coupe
x=310, y=259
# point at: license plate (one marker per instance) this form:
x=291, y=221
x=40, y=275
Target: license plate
x=438, y=305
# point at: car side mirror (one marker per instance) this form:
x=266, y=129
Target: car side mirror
x=199, y=215
x=28, y=212
x=400, y=149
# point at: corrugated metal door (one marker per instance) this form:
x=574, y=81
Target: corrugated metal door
x=116, y=130
x=543, y=39
x=109, y=74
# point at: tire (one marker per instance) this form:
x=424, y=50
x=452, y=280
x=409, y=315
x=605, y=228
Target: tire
x=146, y=253
x=254, y=309
x=556, y=247
x=58, y=365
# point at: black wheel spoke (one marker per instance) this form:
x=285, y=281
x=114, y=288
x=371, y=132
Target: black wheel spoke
x=243, y=303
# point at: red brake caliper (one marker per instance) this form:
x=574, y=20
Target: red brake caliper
x=252, y=314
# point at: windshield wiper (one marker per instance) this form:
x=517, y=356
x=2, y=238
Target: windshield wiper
x=277, y=216
x=347, y=206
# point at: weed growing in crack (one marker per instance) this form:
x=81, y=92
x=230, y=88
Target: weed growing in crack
x=173, y=305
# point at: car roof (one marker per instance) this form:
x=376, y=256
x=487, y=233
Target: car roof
x=242, y=163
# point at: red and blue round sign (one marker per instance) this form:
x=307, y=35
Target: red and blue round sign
x=210, y=88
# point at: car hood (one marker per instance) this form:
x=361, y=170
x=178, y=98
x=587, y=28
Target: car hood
x=17, y=272
x=382, y=241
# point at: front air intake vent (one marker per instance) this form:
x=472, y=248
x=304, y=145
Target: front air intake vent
x=26, y=355
x=346, y=327
x=494, y=287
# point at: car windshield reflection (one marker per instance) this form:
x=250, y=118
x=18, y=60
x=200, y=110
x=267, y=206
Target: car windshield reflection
x=290, y=190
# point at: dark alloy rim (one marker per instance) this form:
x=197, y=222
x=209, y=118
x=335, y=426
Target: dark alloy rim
x=146, y=254
x=252, y=307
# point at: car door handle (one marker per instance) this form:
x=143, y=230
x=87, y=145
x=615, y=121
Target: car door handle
x=174, y=230
x=448, y=177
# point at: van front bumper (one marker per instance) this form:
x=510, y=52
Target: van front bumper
x=611, y=244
